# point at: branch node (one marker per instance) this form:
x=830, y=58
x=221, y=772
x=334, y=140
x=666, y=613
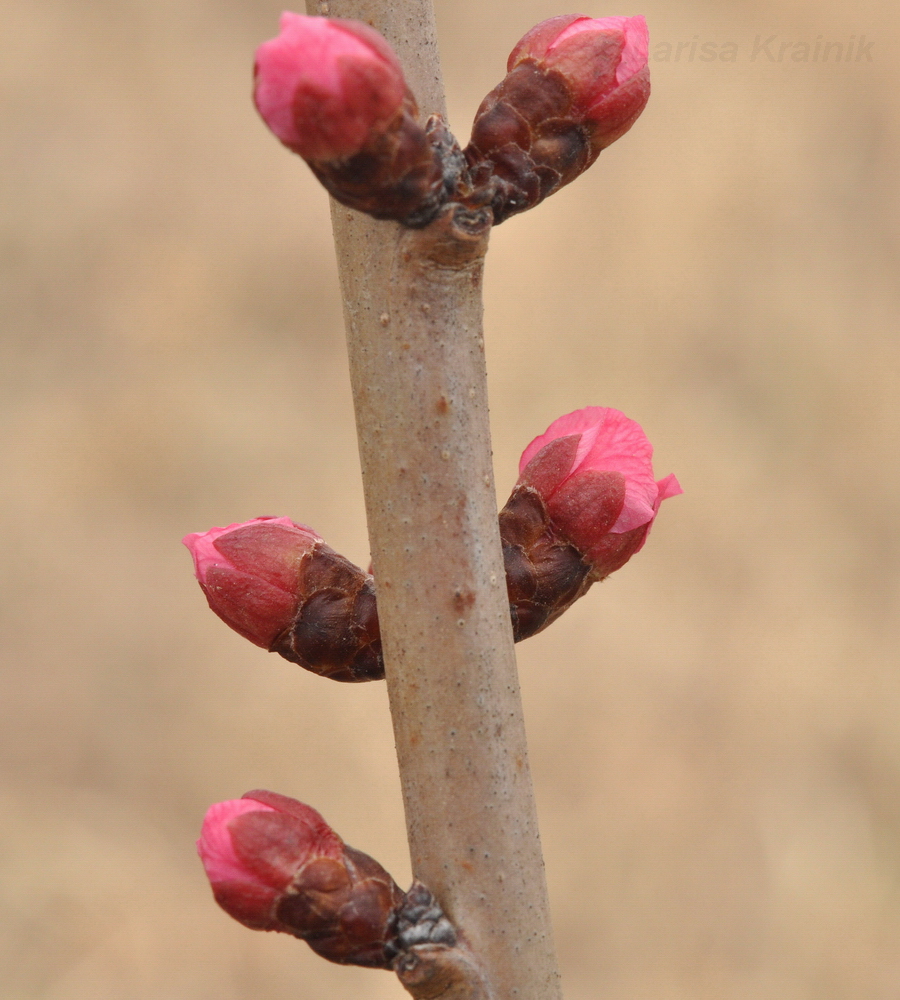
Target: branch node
x=432, y=962
x=455, y=241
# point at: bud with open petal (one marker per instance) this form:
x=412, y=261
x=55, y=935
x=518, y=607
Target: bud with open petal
x=279, y=585
x=583, y=505
x=332, y=90
x=574, y=85
x=274, y=864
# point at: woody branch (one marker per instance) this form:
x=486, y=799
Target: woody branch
x=449, y=599
x=413, y=313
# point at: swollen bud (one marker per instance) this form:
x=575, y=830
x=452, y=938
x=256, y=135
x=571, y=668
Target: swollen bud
x=275, y=865
x=574, y=85
x=333, y=91
x=279, y=585
x=325, y=87
x=584, y=504
x=582, y=507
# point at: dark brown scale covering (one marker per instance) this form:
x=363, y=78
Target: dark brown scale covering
x=420, y=921
x=527, y=140
x=335, y=631
x=406, y=173
x=344, y=909
x=545, y=573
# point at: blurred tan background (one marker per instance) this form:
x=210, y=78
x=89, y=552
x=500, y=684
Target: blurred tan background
x=715, y=732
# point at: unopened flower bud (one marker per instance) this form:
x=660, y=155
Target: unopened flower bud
x=324, y=86
x=582, y=507
x=275, y=865
x=574, y=85
x=333, y=91
x=279, y=585
x=604, y=64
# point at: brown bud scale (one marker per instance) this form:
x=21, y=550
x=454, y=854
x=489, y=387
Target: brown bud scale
x=335, y=630
x=432, y=960
x=336, y=633
x=406, y=173
x=545, y=573
x=344, y=910
x=420, y=920
x=527, y=140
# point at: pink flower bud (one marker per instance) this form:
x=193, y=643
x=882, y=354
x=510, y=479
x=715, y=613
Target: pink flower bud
x=279, y=585
x=275, y=865
x=574, y=85
x=250, y=573
x=592, y=470
x=333, y=91
x=604, y=64
x=326, y=87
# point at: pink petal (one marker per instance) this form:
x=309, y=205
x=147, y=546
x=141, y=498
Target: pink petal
x=616, y=443
x=636, y=510
x=668, y=487
x=571, y=423
x=636, y=40
x=637, y=47
x=535, y=43
x=610, y=442
x=215, y=846
x=607, y=25
x=202, y=544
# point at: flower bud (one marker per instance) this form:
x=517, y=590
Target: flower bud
x=333, y=91
x=574, y=85
x=279, y=585
x=604, y=64
x=324, y=86
x=582, y=507
x=275, y=865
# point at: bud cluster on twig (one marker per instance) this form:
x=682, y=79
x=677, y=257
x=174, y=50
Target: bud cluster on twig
x=274, y=864
x=583, y=505
x=333, y=91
